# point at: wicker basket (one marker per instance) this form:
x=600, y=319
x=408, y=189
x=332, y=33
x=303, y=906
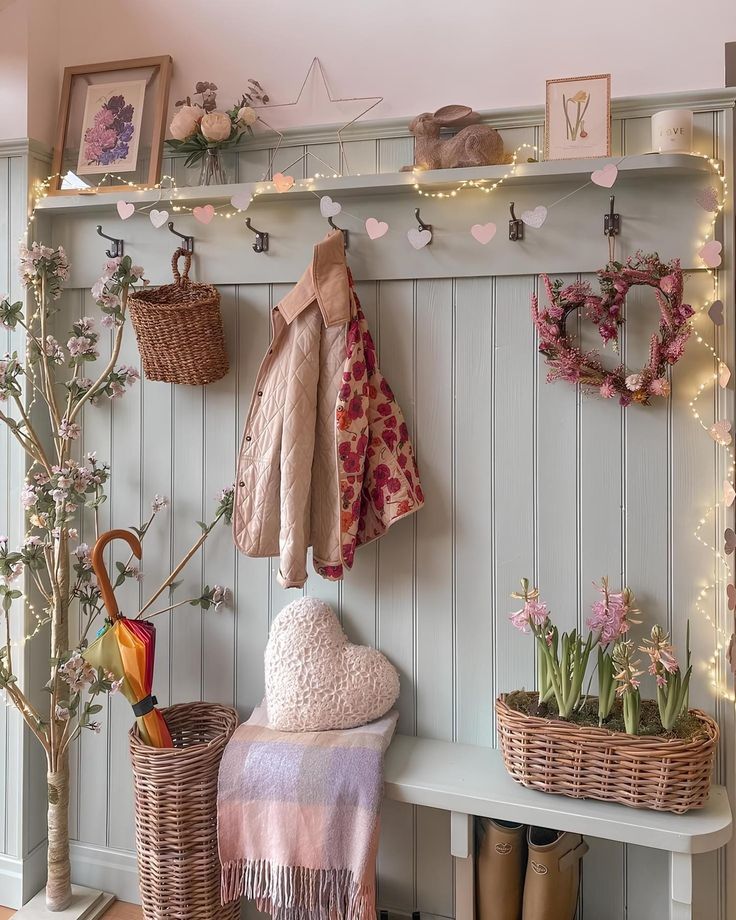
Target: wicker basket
x=176, y=815
x=593, y=763
x=179, y=329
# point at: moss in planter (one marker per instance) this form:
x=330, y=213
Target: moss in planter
x=686, y=727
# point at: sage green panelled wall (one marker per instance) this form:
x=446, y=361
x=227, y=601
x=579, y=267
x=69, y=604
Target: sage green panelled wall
x=522, y=478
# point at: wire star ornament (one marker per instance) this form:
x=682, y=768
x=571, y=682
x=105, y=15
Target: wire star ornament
x=316, y=71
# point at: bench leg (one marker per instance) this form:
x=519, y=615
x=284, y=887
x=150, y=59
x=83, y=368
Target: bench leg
x=461, y=847
x=681, y=886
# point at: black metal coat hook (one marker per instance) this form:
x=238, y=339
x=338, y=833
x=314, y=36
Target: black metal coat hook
x=345, y=233
x=420, y=222
x=117, y=250
x=516, y=226
x=261, y=243
x=188, y=246
x=611, y=221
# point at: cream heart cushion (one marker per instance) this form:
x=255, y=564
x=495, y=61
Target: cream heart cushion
x=316, y=680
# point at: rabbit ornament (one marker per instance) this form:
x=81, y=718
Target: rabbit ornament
x=473, y=145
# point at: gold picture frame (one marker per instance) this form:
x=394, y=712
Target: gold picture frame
x=577, y=121
x=133, y=95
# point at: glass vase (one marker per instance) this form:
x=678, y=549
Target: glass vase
x=213, y=170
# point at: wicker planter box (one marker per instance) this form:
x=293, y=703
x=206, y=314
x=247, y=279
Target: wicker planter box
x=593, y=763
x=176, y=815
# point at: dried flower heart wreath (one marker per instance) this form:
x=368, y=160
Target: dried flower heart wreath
x=569, y=362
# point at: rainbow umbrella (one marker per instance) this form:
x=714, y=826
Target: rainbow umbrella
x=126, y=648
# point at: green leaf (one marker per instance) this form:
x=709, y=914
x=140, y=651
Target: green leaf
x=93, y=710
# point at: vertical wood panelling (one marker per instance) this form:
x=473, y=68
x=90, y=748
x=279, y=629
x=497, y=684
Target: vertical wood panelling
x=7, y=448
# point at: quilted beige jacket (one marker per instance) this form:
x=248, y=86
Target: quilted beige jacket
x=325, y=459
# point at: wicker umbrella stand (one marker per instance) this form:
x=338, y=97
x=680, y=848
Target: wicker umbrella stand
x=176, y=814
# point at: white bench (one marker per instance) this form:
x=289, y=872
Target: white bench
x=467, y=780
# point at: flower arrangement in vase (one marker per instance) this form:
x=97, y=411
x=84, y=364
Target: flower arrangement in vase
x=613, y=745
x=202, y=131
x=43, y=390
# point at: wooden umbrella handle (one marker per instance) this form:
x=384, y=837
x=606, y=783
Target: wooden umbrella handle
x=98, y=565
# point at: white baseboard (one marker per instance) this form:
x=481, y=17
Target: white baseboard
x=107, y=869
x=21, y=877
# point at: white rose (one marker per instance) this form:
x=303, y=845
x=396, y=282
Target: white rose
x=184, y=123
x=247, y=116
x=216, y=127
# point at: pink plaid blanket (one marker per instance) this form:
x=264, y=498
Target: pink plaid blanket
x=298, y=818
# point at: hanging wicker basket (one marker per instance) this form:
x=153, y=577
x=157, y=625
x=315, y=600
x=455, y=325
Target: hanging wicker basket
x=176, y=815
x=664, y=774
x=179, y=329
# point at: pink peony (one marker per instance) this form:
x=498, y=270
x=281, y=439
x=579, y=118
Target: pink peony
x=184, y=123
x=247, y=116
x=216, y=127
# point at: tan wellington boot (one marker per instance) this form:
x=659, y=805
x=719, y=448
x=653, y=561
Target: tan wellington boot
x=552, y=874
x=499, y=870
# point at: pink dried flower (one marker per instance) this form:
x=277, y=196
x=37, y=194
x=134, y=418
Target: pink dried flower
x=660, y=386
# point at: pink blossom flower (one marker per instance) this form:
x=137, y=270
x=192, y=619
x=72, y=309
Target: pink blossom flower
x=533, y=613
x=660, y=386
x=607, y=389
x=69, y=431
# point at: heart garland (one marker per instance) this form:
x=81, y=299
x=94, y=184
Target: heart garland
x=125, y=209
x=158, y=218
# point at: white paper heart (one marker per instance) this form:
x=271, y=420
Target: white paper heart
x=419, y=238
x=710, y=253
x=707, y=198
x=606, y=176
x=241, y=201
x=316, y=680
x=376, y=228
x=483, y=233
x=536, y=217
x=328, y=207
x=729, y=493
x=158, y=218
x=724, y=375
x=283, y=183
x=125, y=209
x=204, y=214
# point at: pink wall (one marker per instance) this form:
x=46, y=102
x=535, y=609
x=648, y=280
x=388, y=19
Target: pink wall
x=419, y=56
x=13, y=70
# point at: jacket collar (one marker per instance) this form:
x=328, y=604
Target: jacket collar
x=326, y=281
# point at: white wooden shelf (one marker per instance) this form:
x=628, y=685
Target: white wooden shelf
x=645, y=166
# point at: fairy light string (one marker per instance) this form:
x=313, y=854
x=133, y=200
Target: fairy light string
x=169, y=193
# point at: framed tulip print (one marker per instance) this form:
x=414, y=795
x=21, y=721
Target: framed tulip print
x=578, y=117
x=111, y=125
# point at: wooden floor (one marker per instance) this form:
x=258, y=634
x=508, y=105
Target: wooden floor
x=120, y=910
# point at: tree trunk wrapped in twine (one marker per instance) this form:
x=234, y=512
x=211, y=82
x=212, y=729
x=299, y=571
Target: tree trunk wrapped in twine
x=58, y=885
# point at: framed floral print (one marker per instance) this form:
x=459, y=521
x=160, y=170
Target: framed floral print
x=111, y=125
x=578, y=118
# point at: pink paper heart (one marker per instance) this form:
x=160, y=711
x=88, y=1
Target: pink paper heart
x=483, y=233
x=125, y=209
x=731, y=595
x=721, y=432
x=419, y=238
x=729, y=493
x=729, y=541
x=283, y=183
x=376, y=228
x=724, y=375
x=241, y=200
x=606, y=176
x=535, y=217
x=715, y=311
x=710, y=253
x=158, y=218
x=316, y=680
x=707, y=198
x=204, y=214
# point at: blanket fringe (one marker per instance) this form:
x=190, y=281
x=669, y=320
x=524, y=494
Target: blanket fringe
x=297, y=892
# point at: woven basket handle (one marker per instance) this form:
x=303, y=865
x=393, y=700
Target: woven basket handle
x=178, y=277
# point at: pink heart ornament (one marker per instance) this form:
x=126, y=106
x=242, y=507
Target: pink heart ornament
x=328, y=207
x=125, y=209
x=241, y=201
x=376, y=228
x=721, y=432
x=158, y=218
x=283, y=183
x=204, y=214
x=715, y=312
x=729, y=493
x=707, y=198
x=535, y=217
x=419, y=238
x=606, y=176
x=729, y=541
x=724, y=375
x=483, y=233
x=316, y=680
x=710, y=253
x=731, y=595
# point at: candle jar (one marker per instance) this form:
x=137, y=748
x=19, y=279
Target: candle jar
x=672, y=131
